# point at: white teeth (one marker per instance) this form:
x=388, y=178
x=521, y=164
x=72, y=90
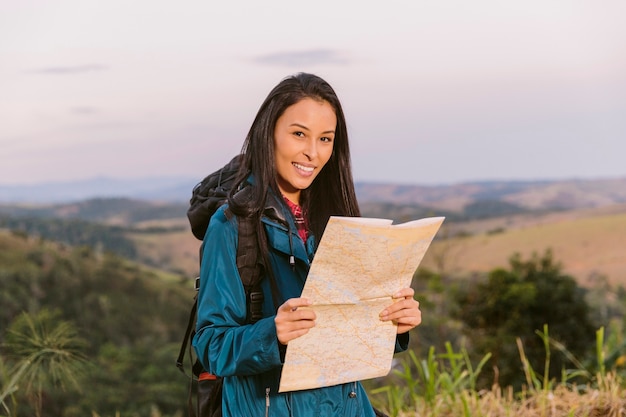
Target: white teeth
x=303, y=168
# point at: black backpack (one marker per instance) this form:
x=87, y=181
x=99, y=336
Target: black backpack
x=207, y=196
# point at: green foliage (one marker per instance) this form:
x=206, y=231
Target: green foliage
x=435, y=293
x=75, y=233
x=136, y=380
x=10, y=380
x=421, y=384
x=47, y=352
x=130, y=321
x=517, y=302
x=446, y=384
x=544, y=381
x=483, y=209
x=100, y=210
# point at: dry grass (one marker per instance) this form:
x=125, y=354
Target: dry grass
x=608, y=401
x=175, y=251
x=587, y=246
x=444, y=384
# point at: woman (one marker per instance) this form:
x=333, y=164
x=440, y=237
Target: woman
x=296, y=173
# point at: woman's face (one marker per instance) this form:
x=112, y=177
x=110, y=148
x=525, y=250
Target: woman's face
x=303, y=141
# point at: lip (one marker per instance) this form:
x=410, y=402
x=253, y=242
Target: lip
x=308, y=168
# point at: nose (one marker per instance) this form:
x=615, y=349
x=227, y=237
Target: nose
x=310, y=149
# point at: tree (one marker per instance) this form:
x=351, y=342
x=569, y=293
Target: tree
x=48, y=354
x=517, y=303
x=10, y=385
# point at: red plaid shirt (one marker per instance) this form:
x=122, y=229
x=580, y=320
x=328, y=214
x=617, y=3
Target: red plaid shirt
x=301, y=222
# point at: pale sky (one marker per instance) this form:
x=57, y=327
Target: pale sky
x=438, y=91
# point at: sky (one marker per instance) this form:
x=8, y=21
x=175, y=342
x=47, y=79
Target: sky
x=434, y=92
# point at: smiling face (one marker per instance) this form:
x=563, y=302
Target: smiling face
x=303, y=142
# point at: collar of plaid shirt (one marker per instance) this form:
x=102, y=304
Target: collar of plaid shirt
x=298, y=215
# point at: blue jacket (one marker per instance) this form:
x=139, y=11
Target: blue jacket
x=248, y=355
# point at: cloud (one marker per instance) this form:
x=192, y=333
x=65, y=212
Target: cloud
x=68, y=70
x=303, y=58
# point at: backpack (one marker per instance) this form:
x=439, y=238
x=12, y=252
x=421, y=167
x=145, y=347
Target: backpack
x=207, y=196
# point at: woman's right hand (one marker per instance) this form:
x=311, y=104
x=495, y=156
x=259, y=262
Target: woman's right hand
x=292, y=321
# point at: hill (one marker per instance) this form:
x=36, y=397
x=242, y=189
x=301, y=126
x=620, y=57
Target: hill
x=529, y=195
x=535, y=195
x=130, y=318
x=113, y=211
x=129, y=323
x=588, y=243
x=485, y=223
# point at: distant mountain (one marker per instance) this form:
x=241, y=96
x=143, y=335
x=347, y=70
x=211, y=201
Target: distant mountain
x=160, y=189
x=533, y=195
x=112, y=211
x=502, y=196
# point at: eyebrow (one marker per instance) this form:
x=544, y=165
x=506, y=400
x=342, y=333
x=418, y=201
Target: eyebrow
x=306, y=128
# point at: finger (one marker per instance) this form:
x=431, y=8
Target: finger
x=293, y=303
x=286, y=338
x=290, y=326
x=404, y=324
x=405, y=293
x=287, y=331
x=403, y=304
x=287, y=317
x=302, y=314
x=407, y=316
x=404, y=316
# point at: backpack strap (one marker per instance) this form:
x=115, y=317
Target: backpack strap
x=250, y=263
x=250, y=267
x=191, y=325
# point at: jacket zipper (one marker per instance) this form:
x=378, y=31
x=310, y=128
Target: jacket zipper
x=267, y=402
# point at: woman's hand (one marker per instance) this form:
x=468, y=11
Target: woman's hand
x=405, y=311
x=292, y=321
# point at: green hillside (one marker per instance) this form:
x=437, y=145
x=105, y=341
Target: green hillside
x=129, y=318
x=130, y=321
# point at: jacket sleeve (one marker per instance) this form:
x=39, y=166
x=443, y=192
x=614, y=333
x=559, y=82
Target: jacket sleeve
x=402, y=342
x=224, y=343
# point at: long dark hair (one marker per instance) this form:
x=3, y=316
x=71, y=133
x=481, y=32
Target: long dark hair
x=332, y=191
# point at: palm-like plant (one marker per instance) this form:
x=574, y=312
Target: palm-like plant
x=47, y=351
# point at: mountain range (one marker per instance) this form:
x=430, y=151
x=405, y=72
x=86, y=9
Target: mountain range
x=170, y=189
x=531, y=195
x=583, y=221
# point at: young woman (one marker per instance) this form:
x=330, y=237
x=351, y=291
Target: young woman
x=296, y=173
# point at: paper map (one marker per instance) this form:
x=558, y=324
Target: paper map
x=360, y=263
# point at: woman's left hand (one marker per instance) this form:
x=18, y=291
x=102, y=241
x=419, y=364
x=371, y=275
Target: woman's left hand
x=405, y=311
